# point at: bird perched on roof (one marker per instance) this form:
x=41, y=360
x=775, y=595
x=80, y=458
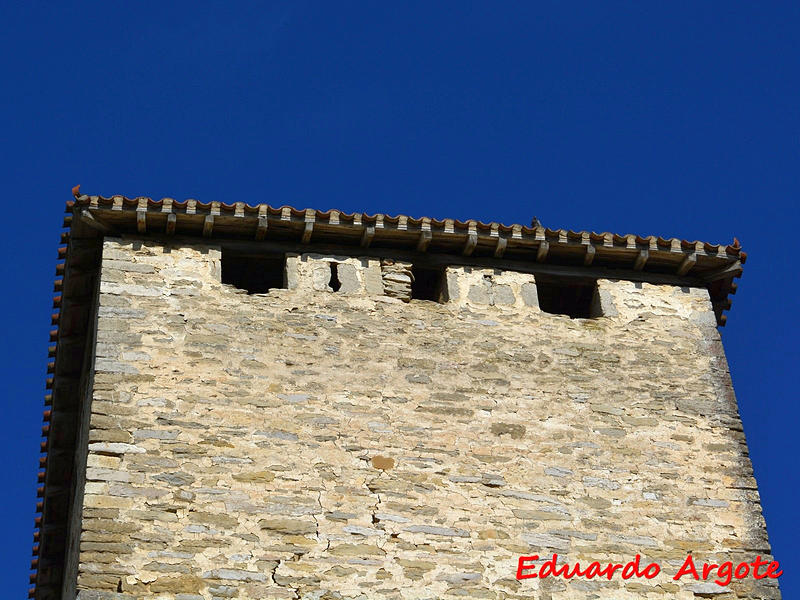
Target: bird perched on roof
x=535, y=222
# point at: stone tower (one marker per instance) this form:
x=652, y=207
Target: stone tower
x=259, y=402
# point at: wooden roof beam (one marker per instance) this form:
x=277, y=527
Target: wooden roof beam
x=208, y=225
x=641, y=260
x=472, y=239
x=687, y=263
x=425, y=237
x=588, y=257
x=141, y=216
x=172, y=220
x=732, y=270
x=95, y=223
x=367, y=235
x=263, y=222
x=469, y=246
x=308, y=229
x=541, y=253
x=500, y=248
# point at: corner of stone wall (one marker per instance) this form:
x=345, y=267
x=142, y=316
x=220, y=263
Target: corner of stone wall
x=451, y=292
x=291, y=271
x=723, y=413
x=603, y=301
x=373, y=276
x=215, y=262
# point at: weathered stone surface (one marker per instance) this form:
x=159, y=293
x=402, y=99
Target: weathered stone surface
x=176, y=584
x=307, y=443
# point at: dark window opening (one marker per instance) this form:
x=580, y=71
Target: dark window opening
x=576, y=300
x=335, y=284
x=427, y=284
x=255, y=273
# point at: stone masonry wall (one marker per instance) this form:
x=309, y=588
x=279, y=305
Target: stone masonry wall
x=311, y=444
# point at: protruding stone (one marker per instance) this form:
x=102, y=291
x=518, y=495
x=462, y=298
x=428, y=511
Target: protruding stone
x=382, y=462
x=115, y=448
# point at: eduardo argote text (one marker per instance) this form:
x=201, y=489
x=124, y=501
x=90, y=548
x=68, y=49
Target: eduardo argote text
x=722, y=574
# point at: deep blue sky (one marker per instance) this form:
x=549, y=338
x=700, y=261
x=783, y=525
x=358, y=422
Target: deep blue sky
x=677, y=119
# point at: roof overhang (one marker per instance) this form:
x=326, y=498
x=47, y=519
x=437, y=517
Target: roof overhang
x=532, y=249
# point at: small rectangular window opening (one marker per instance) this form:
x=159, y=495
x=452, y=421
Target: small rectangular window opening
x=255, y=273
x=427, y=283
x=577, y=300
x=334, y=283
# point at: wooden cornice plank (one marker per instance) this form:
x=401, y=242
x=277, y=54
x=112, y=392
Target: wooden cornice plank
x=687, y=263
x=641, y=260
